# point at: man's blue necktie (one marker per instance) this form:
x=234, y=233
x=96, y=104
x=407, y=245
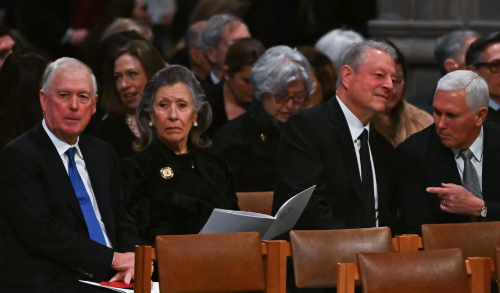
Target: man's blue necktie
x=95, y=230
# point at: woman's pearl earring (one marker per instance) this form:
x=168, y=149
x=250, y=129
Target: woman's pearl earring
x=195, y=124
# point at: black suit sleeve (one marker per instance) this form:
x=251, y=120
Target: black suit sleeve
x=24, y=205
x=300, y=166
x=493, y=213
x=411, y=190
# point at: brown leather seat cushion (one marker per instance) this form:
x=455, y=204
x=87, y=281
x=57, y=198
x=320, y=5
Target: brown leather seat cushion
x=433, y=271
x=316, y=253
x=210, y=263
x=257, y=202
x=475, y=239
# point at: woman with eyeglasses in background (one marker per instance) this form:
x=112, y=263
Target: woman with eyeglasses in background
x=282, y=84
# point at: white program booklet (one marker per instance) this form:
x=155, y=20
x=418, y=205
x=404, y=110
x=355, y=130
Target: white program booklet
x=227, y=221
x=155, y=289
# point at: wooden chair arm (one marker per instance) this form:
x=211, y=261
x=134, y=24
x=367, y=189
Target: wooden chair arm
x=143, y=257
x=347, y=275
x=406, y=242
x=277, y=252
x=479, y=269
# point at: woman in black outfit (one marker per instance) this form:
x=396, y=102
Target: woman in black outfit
x=172, y=183
x=126, y=71
x=248, y=143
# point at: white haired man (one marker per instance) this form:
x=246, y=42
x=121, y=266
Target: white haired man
x=336, y=42
x=334, y=147
x=60, y=206
x=447, y=173
x=220, y=31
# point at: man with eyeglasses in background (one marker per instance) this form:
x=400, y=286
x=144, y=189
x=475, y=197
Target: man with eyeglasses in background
x=334, y=147
x=483, y=57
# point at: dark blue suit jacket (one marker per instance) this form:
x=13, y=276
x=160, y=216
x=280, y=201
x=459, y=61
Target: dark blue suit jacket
x=44, y=237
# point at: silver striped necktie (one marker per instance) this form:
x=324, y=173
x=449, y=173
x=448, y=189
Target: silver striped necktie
x=470, y=181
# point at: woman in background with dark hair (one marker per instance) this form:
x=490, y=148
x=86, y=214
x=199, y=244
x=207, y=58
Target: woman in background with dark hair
x=172, y=184
x=323, y=74
x=400, y=119
x=233, y=95
x=20, y=78
x=126, y=71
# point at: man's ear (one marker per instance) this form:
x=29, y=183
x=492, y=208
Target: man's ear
x=195, y=54
x=450, y=65
x=210, y=53
x=43, y=100
x=346, y=74
x=472, y=68
x=95, y=104
x=226, y=74
x=481, y=115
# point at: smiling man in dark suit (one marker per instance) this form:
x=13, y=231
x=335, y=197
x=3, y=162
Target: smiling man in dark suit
x=333, y=146
x=447, y=173
x=61, y=219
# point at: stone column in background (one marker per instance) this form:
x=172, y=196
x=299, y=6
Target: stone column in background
x=414, y=25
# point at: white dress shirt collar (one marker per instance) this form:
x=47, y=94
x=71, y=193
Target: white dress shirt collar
x=355, y=125
x=61, y=145
x=214, y=77
x=476, y=148
x=494, y=105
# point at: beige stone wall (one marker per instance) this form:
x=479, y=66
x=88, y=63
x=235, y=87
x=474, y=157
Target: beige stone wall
x=414, y=25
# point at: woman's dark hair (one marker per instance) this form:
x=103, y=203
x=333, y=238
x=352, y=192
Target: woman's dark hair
x=399, y=107
x=20, y=84
x=150, y=60
x=107, y=46
x=168, y=77
x=241, y=53
x=323, y=68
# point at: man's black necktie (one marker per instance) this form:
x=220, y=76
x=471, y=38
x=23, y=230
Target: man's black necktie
x=367, y=181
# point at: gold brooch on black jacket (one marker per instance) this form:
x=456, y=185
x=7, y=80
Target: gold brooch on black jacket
x=167, y=172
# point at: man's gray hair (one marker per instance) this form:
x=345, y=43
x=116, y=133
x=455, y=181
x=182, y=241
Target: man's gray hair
x=354, y=56
x=477, y=94
x=212, y=34
x=276, y=68
x=450, y=45
x=334, y=44
x=64, y=63
x=193, y=35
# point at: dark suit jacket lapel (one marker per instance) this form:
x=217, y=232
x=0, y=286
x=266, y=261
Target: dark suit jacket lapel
x=57, y=170
x=379, y=157
x=444, y=167
x=491, y=163
x=95, y=171
x=346, y=146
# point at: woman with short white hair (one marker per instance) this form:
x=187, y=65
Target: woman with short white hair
x=249, y=143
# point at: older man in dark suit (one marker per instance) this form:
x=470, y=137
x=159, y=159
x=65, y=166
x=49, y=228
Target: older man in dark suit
x=61, y=218
x=334, y=147
x=447, y=173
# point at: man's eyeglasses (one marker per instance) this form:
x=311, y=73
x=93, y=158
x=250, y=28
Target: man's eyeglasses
x=297, y=98
x=493, y=66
